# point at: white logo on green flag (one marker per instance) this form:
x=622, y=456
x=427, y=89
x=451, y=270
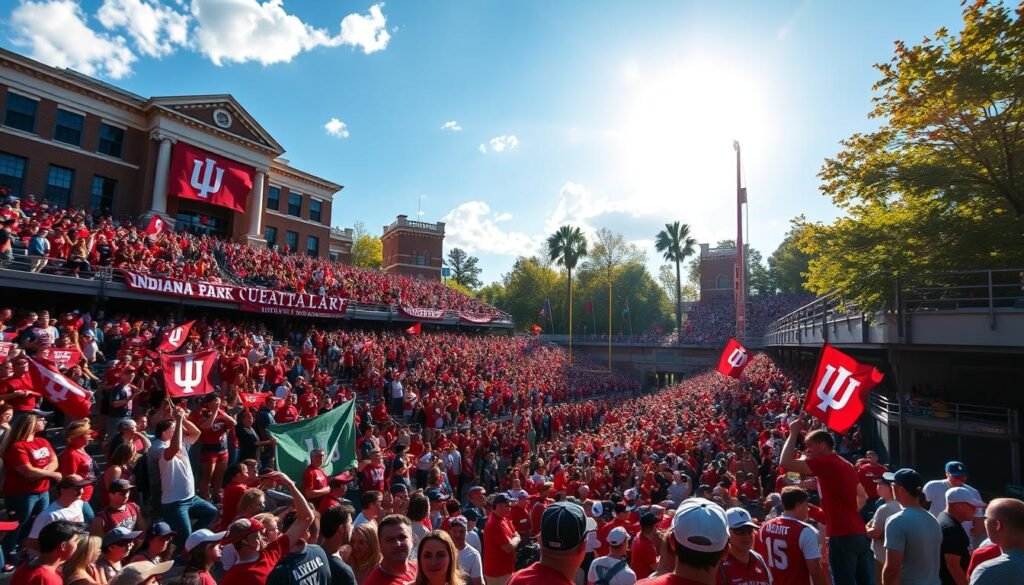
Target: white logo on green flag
x=333, y=431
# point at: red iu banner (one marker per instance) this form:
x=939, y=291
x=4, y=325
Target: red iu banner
x=71, y=398
x=176, y=337
x=210, y=178
x=253, y=399
x=189, y=375
x=63, y=358
x=839, y=389
x=734, y=359
x=156, y=226
x=414, y=330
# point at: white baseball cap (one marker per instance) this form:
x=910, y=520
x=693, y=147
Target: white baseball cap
x=700, y=525
x=618, y=536
x=200, y=536
x=597, y=510
x=962, y=495
x=738, y=518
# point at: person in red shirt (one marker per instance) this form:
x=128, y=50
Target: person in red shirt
x=30, y=462
x=742, y=566
x=500, y=542
x=790, y=545
x=563, y=544
x=257, y=557
x=75, y=461
x=314, y=480
x=214, y=425
x=699, y=539
x=842, y=497
x=868, y=471
x=57, y=541
x=394, y=534
x=643, y=558
x=238, y=483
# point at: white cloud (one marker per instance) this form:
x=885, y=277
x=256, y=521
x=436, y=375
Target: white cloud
x=451, y=125
x=367, y=32
x=336, y=128
x=57, y=33
x=473, y=227
x=155, y=29
x=500, y=144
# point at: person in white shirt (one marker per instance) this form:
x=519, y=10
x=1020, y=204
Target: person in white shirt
x=470, y=560
x=935, y=492
x=614, y=568
x=179, y=503
x=67, y=506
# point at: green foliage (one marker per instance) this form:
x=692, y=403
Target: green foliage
x=760, y=279
x=367, y=250
x=456, y=285
x=676, y=245
x=788, y=264
x=464, y=268
x=940, y=185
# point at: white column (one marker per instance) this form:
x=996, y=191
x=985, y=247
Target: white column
x=256, y=206
x=163, y=166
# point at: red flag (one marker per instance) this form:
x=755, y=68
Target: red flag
x=414, y=330
x=839, y=389
x=5, y=349
x=156, y=227
x=190, y=374
x=62, y=357
x=174, y=338
x=253, y=399
x=734, y=358
x=210, y=178
x=536, y=330
x=71, y=398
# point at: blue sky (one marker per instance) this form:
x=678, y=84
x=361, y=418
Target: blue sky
x=597, y=113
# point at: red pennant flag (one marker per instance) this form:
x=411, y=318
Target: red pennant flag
x=72, y=399
x=839, y=389
x=63, y=357
x=155, y=228
x=190, y=374
x=174, y=338
x=414, y=330
x=5, y=350
x=253, y=399
x=536, y=330
x=210, y=178
x=734, y=358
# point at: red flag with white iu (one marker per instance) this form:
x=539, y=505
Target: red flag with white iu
x=839, y=389
x=174, y=338
x=72, y=399
x=210, y=178
x=190, y=374
x=414, y=330
x=156, y=226
x=734, y=359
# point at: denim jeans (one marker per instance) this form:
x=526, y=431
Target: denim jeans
x=22, y=508
x=850, y=560
x=179, y=516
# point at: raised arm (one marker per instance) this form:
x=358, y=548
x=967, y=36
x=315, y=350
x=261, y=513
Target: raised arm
x=788, y=459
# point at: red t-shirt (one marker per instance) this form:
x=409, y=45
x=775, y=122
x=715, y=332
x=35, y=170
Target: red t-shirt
x=643, y=557
x=982, y=554
x=669, y=579
x=867, y=474
x=37, y=452
x=497, y=533
x=379, y=577
x=232, y=495
x=256, y=572
x=126, y=518
x=29, y=574
x=837, y=483
x=78, y=462
x=313, y=478
x=538, y=574
x=778, y=541
x=732, y=572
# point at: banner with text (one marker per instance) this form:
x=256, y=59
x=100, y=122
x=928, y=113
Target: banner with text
x=256, y=300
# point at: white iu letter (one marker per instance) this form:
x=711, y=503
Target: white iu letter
x=828, y=400
x=737, y=358
x=188, y=374
x=175, y=336
x=205, y=187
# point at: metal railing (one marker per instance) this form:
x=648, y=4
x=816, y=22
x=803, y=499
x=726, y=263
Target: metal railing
x=830, y=309
x=962, y=414
x=422, y=225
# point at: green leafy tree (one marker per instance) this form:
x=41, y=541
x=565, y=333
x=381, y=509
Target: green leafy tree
x=676, y=245
x=760, y=279
x=788, y=264
x=464, y=268
x=566, y=247
x=524, y=289
x=367, y=250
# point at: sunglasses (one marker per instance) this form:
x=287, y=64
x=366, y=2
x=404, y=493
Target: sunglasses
x=742, y=530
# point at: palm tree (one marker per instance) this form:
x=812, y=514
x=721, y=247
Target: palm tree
x=565, y=248
x=676, y=245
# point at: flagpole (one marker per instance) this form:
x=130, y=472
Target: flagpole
x=570, y=322
x=609, y=322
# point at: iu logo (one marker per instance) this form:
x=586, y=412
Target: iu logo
x=334, y=454
x=158, y=225
x=211, y=180
x=837, y=396
x=737, y=358
x=188, y=374
x=58, y=392
x=175, y=336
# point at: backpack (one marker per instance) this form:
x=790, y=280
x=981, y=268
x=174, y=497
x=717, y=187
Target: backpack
x=610, y=574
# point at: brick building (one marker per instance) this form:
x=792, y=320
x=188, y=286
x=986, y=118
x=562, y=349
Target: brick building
x=77, y=141
x=718, y=272
x=413, y=248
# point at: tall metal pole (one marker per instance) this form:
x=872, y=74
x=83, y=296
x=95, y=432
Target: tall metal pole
x=741, y=265
x=609, y=321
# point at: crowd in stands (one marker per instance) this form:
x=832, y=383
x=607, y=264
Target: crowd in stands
x=712, y=322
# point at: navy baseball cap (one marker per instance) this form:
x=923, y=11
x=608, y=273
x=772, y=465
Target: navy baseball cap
x=907, y=479
x=563, y=526
x=504, y=498
x=956, y=469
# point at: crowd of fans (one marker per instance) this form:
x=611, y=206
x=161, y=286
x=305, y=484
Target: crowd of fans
x=711, y=322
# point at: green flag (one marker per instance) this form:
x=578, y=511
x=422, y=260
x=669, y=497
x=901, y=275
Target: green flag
x=333, y=431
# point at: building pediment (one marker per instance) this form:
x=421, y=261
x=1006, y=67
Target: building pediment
x=221, y=114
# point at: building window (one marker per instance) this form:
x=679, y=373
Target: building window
x=21, y=112
x=101, y=196
x=274, y=198
x=295, y=204
x=12, y=172
x=58, y=185
x=312, y=246
x=270, y=235
x=314, y=210
x=291, y=240
x=722, y=282
x=334, y=256
x=111, y=141
x=69, y=127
